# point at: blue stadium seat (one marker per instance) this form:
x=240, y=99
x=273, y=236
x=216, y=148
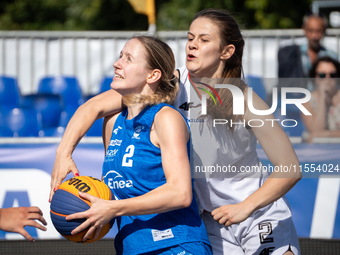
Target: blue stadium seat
x=105, y=84
x=292, y=112
x=9, y=92
x=67, y=87
x=65, y=117
x=23, y=122
x=6, y=132
x=256, y=83
x=48, y=105
x=96, y=129
x=53, y=131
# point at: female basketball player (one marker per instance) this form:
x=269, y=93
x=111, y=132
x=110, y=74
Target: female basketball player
x=245, y=215
x=147, y=164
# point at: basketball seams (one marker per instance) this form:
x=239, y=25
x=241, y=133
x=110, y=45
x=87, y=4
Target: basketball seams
x=105, y=189
x=70, y=192
x=75, y=194
x=93, y=184
x=59, y=214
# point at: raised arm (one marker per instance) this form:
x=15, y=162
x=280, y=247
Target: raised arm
x=171, y=135
x=279, y=150
x=97, y=107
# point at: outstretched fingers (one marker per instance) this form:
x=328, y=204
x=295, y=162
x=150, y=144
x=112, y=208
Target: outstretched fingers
x=25, y=234
x=61, y=168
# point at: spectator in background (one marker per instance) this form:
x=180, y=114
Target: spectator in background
x=14, y=219
x=295, y=61
x=325, y=101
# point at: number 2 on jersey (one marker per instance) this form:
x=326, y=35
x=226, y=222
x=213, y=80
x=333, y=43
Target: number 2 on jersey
x=130, y=150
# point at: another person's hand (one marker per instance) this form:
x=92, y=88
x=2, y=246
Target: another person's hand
x=97, y=216
x=327, y=90
x=61, y=168
x=14, y=219
x=230, y=214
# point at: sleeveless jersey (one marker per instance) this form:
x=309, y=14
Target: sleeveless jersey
x=218, y=147
x=227, y=154
x=133, y=167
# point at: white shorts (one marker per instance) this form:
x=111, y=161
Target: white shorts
x=269, y=231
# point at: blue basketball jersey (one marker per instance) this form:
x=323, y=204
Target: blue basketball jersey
x=133, y=167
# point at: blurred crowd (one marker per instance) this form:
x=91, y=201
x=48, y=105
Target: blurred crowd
x=321, y=65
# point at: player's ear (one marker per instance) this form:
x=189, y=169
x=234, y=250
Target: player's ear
x=154, y=76
x=227, y=51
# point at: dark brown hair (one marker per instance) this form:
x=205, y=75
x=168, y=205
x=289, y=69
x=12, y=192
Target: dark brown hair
x=233, y=70
x=312, y=71
x=229, y=34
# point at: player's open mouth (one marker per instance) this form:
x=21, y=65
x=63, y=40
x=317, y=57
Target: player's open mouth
x=190, y=57
x=117, y=76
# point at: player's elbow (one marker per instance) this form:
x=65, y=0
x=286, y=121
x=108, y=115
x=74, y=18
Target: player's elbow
x=298, y=177
x=185, y=199
x=295, y=178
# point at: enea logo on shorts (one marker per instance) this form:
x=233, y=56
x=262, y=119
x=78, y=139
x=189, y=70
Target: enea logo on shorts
x=115, y=180
x=238, y=103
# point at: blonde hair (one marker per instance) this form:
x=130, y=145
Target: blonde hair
x=158, y=56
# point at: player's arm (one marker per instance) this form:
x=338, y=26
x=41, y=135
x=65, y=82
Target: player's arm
x=279, y=150
x=97, y=107
x=171, y=134
x=16, y=218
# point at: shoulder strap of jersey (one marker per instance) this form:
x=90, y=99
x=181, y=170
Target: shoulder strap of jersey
x=179, y=74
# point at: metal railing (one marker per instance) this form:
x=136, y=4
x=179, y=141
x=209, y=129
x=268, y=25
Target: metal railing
x=89, y=55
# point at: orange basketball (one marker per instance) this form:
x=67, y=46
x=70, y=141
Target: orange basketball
x=66, y=201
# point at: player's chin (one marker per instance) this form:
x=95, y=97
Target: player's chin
x=192, y=67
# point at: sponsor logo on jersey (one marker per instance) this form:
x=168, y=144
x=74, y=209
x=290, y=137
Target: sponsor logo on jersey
x=111, y=153
x=115, y=142
x=113, y=173
x=137, y=132
x=115, y=181
x=161, y=235
x=116, y=130
x=267, y=251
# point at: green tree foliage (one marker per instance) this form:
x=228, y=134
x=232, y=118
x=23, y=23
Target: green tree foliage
x=70, y=15
x=119, y=15
x=250, y=14
x=278, y=14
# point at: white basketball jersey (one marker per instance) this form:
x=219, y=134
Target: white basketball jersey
x=218, y=147
x=219, y=163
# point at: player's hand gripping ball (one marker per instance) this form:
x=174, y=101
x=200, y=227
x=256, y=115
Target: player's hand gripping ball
x=66, y=201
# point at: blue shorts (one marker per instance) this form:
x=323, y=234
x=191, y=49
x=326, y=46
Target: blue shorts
x=192, y=248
